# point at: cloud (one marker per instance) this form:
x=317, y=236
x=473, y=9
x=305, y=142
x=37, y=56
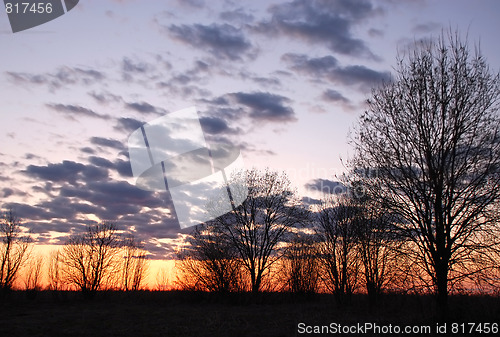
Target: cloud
x=237, y=16
x=62, y=77
x=104, y=97
x=322, y=22
x=328, y=67
x=70, y=111
x=224, y=41
x=334, y=96
x=7, y=192
x=128, y=124
x=426, y=28
x=67, y=171
x=144, y=108
x=213, y=125
x=107, y=142
x=311, y=66
x=192, y=3
x=265, y=106
x=326, y=186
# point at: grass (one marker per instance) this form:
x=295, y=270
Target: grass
x=174, y=313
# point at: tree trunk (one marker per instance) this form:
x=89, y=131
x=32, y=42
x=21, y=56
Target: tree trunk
x=442, y=289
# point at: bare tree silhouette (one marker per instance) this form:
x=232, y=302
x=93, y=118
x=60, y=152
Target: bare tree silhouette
x=54, y=271
x=337, y=232
x=209, y=262
x=300, y=269
x=162, y=280
x=378, y=246
x=430, y=147
x=14, y=249
x=135, y=265
x=33, y=276
x=89, y=260
x=262, y=221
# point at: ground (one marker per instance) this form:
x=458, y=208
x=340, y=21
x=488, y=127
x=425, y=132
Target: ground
x=198, y=314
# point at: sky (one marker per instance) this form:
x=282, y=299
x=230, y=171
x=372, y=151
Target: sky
x=283, y=81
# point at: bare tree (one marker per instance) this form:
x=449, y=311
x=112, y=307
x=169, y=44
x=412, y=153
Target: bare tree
x=429, y=145
x=135, y=264
x=300, y=271
x=14, y=249
x=209, y=262
x=337, y=232
x=54, y=271
x=378, y=246
x=162, y=280
x=90, y=259
x=33, y=275
x=262, y=221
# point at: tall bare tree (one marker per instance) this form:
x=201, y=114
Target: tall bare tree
x=134, y=265
x=262, y=221
x=14, y=249
x=90, y=260
x=54, y=271
x=337, y=231
x=33, y=275
x=378, y=246
x=209, y=262
x=300, y=270
x=430, y=145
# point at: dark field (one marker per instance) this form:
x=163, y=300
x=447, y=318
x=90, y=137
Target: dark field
x=200, y=314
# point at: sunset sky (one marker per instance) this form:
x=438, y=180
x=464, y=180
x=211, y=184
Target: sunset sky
x=283, y=81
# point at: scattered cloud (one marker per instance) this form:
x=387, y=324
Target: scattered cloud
x=322, y=22
x=328, y=67
x=224, y=41
x=107, y=142
x=144, y=108
x=62, y=77
x=266, y=107
x=325, y=186
x=71, y=111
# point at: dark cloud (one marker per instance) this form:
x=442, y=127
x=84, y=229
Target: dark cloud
x=133, y=66
x=87, y=150
x=67, y=171
x=192, y=3
x=213, y=125
x=62, y=77
x=307, y=201
x=70, y=111
x=326, y=186
x=222, y=40
x=331, y=95
x=144, y=107
x=107, y=142
x=265, y=106
x=101, y=162
x=237, y=16
x=426, y=28
x=120, y=166
x=373, y=32
x=311, y=66
x=327, y=67
x=128, y=124
x=7, y=192
x=325, y=22
x=104, y=97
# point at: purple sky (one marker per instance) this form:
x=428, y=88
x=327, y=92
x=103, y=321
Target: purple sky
x=283, y=81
